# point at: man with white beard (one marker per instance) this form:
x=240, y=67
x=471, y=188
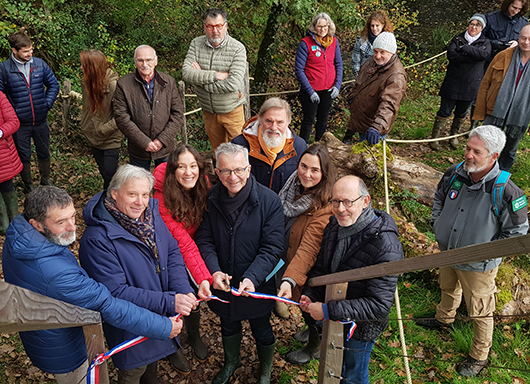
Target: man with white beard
x=274, y=148
x=475, y=203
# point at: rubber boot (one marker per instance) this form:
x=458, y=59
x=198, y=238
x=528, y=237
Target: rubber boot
x=231, y=347
x=439, y=123
x=44, y=170
x=4, y=219
x=304, y=355
x=25, y=175
x=11, y=202
x=281, y=310
x=179, y=361
x=455, y=128
x=266, y=356
x=191, y=323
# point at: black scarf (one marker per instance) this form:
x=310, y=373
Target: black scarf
x=231, y=206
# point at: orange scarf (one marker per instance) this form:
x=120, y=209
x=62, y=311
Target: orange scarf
x=324, y=41
x=271, y=153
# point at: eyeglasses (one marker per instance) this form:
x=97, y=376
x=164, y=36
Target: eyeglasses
x=147, y=61
x=347, y=203
x=211, y=27
x=228, y=172
x=322, y=26
x=475, y=25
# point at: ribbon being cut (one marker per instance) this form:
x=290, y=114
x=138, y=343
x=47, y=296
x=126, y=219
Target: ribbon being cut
x=93, y=369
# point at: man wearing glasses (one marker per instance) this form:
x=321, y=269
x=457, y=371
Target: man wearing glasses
x=148, y=110
x=357, y=236
x=215, y=65
x=241, y=241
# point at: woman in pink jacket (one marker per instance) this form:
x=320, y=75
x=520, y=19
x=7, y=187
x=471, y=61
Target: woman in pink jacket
x=10, y=164
x=181, y=187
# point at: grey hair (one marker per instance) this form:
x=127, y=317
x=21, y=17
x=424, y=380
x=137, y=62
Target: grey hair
x=316, y=19
x=213, y=13
x=231, y=149
x=143, y=46
x=493, y=137
x=363, y=189
x=275, y=102
x=42, y=199
x=126, y=173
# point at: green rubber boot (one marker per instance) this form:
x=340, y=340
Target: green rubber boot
x=4, y=218
x=231, y=346
x=266, y=357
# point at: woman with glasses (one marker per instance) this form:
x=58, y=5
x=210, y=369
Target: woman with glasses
x=305, y=199
x=467, y=54
x=181, y=187
x=97, y=119
x=376, y=23
x=318, y=68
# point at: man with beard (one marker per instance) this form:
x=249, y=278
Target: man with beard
x=274, y=147
x=36, y=257
x=377, y=93
x=475, y=203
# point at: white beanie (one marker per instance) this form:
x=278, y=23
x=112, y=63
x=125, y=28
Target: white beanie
x=386, y=41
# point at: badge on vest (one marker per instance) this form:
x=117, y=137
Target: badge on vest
x=519, y=203
x=453, y=194
x=457, y=184
x=318, y=54
x=314, y=47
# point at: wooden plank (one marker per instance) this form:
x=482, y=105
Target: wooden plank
x=332, y=333
x=501, y=248
x=95, y=345
x=24, y=310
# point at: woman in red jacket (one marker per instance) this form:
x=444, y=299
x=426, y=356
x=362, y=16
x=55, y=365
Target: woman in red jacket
x=10, y=164
x=181, y=187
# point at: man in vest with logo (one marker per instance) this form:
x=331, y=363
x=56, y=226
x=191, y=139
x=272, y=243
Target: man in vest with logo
x=475, y=203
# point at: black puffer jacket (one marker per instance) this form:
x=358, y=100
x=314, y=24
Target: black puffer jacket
x=367, y=299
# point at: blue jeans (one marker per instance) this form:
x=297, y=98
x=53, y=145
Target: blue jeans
x=355, y=361
x=146, y=164
x=41, y=138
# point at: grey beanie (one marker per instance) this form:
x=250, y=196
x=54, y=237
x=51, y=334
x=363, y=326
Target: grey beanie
x=480, y=18
x=386, y=41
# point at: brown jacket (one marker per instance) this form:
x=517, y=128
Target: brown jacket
x=491, y=84
x=304, y=246
x=377, y=95
x=140, y=122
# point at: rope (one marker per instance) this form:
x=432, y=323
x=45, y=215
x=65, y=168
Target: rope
x=427, y=140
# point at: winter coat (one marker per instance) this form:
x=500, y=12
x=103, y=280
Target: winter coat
x=463, y=202
x=304, y=245
x=276, y=174
x=33, y=262
x=369, y=299
x=113, y=256
x=491, y=84
x=251, y=248
x=142, y=121
x=31, y=101
x=377, y=96
x=100, y=129
x=362, y=51
x=466, y=68
x=318, y=68
x=184, y=235
x=10, y=164
x=501, y=29
x=217, y=96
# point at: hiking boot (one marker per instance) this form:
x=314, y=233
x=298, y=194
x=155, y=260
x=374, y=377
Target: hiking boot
x=471, y=367
x=179, y=361
x=432, y=324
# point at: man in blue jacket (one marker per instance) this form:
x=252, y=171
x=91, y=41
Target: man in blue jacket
x=127, y=247
x=31, y=87
x=36, y=257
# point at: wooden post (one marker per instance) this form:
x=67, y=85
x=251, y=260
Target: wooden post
x=246, y=82
x=184, y=131
x=332, y=334
x=95, y=345
x=67, y=87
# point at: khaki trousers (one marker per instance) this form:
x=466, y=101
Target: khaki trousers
x=74, y=377
x=478, y=289
x=222, y=128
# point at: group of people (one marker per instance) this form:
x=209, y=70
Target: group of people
x=271, y=216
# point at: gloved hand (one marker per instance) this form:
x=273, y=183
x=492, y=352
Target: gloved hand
x=334, y=92
x=373, y=136
x=314, y=98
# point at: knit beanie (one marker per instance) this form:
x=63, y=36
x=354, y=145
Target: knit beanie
x=386, y=41
x=480, y=18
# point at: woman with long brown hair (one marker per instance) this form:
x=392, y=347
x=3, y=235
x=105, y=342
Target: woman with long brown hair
x=97, y=120
x=181, y=187
x=305, y=199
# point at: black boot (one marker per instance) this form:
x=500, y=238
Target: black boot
x=44, y=170
x=25, y=175
x=439, y=123
x=179, y=361
x=348, y=138
x=266, y=356
x=231, y=346
x=191, y=323
x=304, y=355
x=455, y=128
x=4, y=218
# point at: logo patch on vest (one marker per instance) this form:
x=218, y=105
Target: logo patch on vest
x=318, y=54
x=453, y=194
x=314, y=47
x=457, y=184
x=519, y=203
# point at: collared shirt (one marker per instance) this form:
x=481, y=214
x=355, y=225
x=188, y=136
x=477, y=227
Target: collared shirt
x=149, y=86
x=23, y=67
